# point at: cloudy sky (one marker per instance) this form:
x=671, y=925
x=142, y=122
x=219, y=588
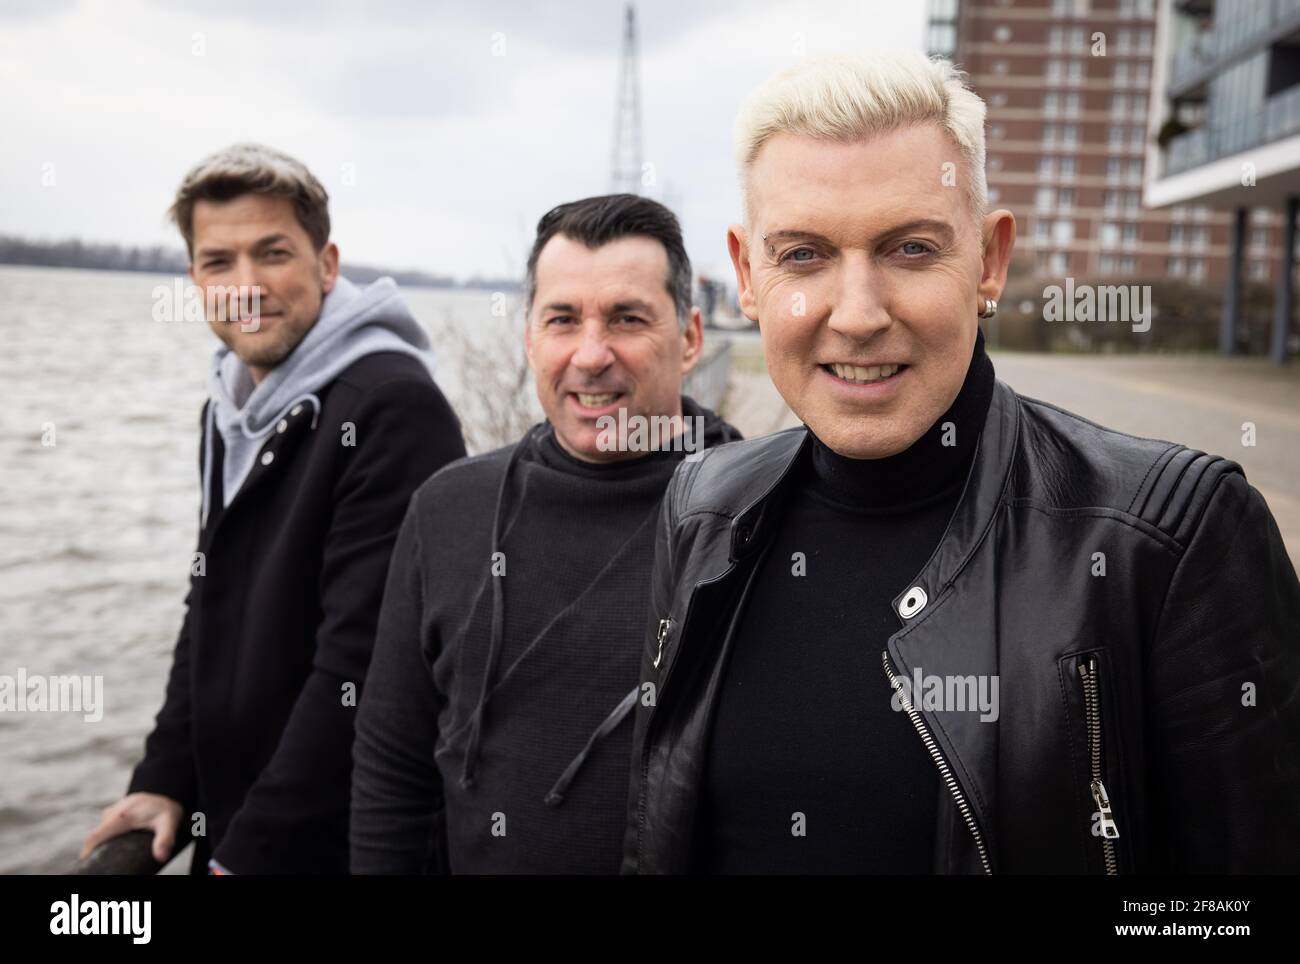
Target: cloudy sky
x=441, y=130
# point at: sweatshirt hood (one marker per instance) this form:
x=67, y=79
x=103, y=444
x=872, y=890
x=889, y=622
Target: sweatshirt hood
x=353, y=322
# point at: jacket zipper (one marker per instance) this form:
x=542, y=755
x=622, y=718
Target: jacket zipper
x=1091, y=708
x=665, y=627
x=953, y=787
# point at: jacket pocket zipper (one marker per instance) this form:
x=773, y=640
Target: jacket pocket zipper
x=1092, y=714
x=953, y=787
x=665, y=627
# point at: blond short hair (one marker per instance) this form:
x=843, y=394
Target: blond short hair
x=253, y=169
x=850, y=97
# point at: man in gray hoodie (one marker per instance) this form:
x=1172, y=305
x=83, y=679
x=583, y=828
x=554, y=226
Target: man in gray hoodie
x=323, y=419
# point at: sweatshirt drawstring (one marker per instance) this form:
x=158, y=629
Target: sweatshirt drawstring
x=498, y=622
x=209, y=426
x=475, y=724
x=611, y=722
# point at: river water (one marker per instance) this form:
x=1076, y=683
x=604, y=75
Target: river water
x=97, y=528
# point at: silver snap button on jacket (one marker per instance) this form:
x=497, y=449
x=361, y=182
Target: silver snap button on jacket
x=268, y=457
x=913, y=602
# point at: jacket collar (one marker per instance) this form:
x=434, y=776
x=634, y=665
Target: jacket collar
x=769, y=481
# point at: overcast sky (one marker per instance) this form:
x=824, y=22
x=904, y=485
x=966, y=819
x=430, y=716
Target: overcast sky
x=459, y=124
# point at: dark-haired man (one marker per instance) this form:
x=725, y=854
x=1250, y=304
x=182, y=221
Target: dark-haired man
x=491, y=736
x=321, y=422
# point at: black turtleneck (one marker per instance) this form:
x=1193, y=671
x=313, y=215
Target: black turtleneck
x=810, y=769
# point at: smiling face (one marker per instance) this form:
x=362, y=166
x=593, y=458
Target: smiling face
x=255, y=241
x=603, y=335
x=869, y=282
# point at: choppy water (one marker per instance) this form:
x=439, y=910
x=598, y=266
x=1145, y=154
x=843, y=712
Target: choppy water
x=96, y=530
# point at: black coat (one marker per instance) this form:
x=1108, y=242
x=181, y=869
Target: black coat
x=1198, y=611
x=256, y=731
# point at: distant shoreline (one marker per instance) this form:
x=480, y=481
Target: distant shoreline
x=17, y=252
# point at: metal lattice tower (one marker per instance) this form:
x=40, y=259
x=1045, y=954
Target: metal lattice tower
x=625, y=159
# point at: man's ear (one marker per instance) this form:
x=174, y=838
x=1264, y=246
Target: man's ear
x=692, y=340
x=329, y=265
x=1000, y=239
x=738, y=248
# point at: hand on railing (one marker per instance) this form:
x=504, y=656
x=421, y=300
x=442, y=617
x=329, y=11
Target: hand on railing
x=117, y=840
x=130, y=853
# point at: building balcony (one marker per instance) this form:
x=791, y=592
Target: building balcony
x=1199, y=59
x=1279, y=118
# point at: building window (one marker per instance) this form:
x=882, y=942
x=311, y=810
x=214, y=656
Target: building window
x=1067, y=168
x=1174, y=267
x=998, y=100
x=1002, y=34
x=1070, y=135
x=1000, y=67
x=1118, y=105
x=1112, y=169
x=1132, y=200
x=1062, y=231
x=1130, y=234
x=1108, y=234
x=1065, y=198
x=1259, y=237
x=1047, y=166
x=1175, y=234
x=1196, y=269
x=1044, y=199
x=1258, y=271
x=1137, y=139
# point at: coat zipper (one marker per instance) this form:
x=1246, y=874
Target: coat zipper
x=1109, y=829
x=953, y=787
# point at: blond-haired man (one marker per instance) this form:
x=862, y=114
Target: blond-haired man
x=941, y=627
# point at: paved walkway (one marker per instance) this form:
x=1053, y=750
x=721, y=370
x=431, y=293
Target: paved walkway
x=1201, y=401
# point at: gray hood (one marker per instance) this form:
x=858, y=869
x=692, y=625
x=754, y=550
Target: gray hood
x=354, y=322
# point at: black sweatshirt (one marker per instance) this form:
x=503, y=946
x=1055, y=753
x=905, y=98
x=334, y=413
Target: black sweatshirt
x=522, y=766
x=810, y=768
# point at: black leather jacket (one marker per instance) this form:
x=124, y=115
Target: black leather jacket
x=1167, y=687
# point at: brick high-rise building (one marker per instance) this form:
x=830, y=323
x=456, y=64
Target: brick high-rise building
x=1068, y=84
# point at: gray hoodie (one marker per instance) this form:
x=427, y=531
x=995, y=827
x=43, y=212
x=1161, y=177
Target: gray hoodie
x=353, y=322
